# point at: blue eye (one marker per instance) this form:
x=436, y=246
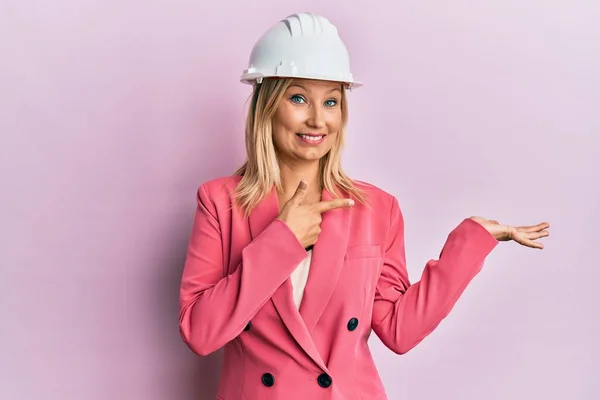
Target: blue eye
x=331, y=103
x=297, y=99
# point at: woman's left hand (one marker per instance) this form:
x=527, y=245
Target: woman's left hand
x=524, y=235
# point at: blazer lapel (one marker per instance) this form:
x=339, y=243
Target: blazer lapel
x=327, y=262
x=262, y=215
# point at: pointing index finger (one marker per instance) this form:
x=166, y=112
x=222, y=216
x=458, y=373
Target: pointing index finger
x=324, y=206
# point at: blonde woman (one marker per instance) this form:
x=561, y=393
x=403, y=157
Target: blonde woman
x=291, y=263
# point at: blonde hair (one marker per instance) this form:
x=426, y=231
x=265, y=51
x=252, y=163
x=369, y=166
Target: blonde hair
x=260, y=172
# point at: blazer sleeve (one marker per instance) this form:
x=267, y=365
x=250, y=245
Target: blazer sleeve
x=404, y=313
x=215, y=307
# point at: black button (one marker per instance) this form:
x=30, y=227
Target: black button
x=268, y=380
x=247, y=328
x=352, y=324
x=324, y=380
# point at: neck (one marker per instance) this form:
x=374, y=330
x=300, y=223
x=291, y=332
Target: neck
x=291, y=176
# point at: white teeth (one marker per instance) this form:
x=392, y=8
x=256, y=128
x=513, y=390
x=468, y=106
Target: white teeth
x=311, y=138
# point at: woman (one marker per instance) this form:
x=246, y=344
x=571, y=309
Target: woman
x=291, y=263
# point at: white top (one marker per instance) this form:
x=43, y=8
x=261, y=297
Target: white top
x=299, y=278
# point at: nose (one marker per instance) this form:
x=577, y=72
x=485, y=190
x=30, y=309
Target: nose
x=316, y=118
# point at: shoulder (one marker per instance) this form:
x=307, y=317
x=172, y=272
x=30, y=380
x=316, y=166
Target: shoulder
x=382, y=208
x=220, y=184
x=376, y=197
x=218, y=191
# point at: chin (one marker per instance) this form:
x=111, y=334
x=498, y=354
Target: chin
x=313, y=156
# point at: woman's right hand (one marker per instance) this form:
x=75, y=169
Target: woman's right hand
x=304, y=220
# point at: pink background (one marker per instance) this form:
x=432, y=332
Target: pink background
x=113, y=112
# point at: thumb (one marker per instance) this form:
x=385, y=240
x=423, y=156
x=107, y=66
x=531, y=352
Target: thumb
x=300, y=192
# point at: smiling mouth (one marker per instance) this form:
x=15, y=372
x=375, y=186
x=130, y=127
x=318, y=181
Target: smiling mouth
x=312, y=138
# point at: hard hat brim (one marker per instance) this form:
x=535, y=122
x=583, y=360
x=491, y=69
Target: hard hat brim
x=252, y=78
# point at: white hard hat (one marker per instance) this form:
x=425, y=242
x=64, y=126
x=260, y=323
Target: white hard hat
x=300, y=46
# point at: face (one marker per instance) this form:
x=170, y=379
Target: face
x=307, y=120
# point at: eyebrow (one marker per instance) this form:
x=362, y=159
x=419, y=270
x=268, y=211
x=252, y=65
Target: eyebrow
x=302, y=87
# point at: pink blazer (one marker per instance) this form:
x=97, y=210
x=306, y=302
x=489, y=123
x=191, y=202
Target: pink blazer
x=236, y=293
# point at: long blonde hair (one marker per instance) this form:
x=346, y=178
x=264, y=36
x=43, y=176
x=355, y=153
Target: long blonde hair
x=260, y=171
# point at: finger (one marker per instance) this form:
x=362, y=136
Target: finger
x=536, y=245
x=493, y=221
x=324, y=206
x=531, y=243
x=537, y=235
x=526, y=241
x=299, y=193
x=534, y=228
x=478, y=219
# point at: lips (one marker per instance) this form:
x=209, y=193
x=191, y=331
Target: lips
x=311, y=137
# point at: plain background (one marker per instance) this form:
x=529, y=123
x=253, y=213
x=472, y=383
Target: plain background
x=113, y=112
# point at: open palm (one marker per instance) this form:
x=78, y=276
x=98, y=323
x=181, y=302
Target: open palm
x=524, y=235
